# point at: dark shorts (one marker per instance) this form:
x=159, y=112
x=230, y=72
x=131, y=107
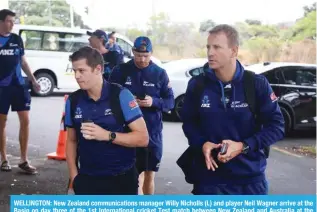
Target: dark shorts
x=260, y=188
x=148, y=159
x=122, y=184
x=17, y=97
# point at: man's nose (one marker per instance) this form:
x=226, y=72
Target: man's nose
x=77, y=74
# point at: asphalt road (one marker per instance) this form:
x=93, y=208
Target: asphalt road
x=284, y=169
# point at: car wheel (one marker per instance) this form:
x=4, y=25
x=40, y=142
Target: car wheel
x=47, y=84
x=179, y=102
x=288, y=121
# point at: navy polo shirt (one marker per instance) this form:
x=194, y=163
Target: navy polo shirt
x=11, y=52
x=102, y=158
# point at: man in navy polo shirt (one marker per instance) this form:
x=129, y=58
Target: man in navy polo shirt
x=150, y=84
x=13, y=91
x=98, y=40
x=104, y=146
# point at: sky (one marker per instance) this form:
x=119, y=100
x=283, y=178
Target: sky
x=126, y=13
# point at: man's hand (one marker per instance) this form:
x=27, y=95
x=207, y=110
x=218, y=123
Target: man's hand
x=207, y=148
x=147, y=102
x=92, y=131
x=36, y=86
x=234, y=149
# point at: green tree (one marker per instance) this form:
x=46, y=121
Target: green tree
x=45, y=13
x=308, y=9
x=158, y=25
x=305, y=28
x=206, y=25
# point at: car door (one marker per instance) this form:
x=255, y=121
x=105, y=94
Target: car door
x=299, y=89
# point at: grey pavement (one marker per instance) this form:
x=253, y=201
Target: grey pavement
x=284, y=169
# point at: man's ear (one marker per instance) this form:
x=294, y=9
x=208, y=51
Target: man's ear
x=98, y=69
x=235, y=50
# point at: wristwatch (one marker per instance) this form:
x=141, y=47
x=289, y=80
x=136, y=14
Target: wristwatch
x=245, y=148
x=112, y=136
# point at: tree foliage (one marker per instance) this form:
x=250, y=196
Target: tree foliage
x=45, y=13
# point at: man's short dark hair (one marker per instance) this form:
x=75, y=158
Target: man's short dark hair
x=92, y=56
x=112, y=34
x=231, y=33
x=4, y=13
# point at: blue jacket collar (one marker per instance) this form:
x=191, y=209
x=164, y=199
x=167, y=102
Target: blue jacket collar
x=237, y=75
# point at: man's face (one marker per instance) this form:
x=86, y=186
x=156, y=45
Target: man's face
x=85, y=75
x=94, y=41
x=219, y=52
x=7, y=24
x=142, y=60
x=112, y=39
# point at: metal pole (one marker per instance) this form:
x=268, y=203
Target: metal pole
x=71, y=12
x=49, y=13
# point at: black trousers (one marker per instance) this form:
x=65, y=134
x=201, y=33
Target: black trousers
x=125, y=183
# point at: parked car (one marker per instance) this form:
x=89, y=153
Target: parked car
x=293, y=83
x=180, y=72
x=295, y=86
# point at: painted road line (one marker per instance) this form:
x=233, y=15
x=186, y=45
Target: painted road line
x=286, y=152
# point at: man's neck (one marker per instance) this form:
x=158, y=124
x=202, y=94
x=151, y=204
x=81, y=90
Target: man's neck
x=102, y=50
x=226, y=73
x=3, y=33
x=95, y=92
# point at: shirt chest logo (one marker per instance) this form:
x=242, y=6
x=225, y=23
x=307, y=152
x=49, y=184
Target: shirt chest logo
x=78, y=113
x=148, y=84
x=205, y=102
x=108, y=112
x=7, y=52
x=129, y=81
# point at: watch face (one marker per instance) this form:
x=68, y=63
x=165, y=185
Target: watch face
x=113, y=135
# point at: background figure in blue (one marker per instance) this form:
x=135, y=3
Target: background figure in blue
x=113, y=46
x=105, y=148
x=13, y=91
x=221, y=116
x=98, y=40
x=150, y=85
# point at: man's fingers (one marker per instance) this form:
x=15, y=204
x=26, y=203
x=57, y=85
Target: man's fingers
x=214, y=163
x=87, y=132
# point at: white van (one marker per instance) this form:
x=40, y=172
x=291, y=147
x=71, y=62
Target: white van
x=47, y=50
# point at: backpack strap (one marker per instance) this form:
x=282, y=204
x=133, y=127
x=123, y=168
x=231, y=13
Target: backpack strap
x=250, y=95
x=249, y=91
x=199, y=88
x=73, y=98
x=115, y=104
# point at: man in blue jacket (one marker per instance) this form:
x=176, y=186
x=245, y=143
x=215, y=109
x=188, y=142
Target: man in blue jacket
x=98, y=40
x=150, y=84
x=221, y=115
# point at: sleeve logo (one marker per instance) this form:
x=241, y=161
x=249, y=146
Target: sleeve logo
x=133, y=104
x=273, y=97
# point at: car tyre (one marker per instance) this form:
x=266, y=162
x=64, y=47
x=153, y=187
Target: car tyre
x=177, y=109
x=47, y=84
x=287, y=120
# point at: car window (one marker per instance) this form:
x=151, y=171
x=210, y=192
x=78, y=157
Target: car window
x=126, y=47
x=196, y=71
x=32, y=39
x=302, y=76
x=53, y=41
x=272, y=76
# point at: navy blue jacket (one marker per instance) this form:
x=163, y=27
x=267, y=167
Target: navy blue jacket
x=220, y=120
x=142, y=82
x=101, y=158
x=11, y=52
